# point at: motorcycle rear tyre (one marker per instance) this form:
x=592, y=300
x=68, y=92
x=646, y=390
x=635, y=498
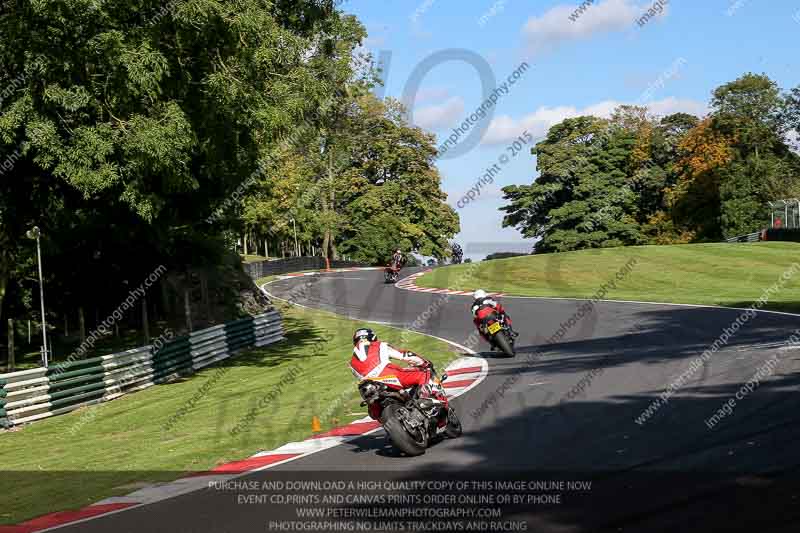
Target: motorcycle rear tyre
x=502, y=342
x=398, y=434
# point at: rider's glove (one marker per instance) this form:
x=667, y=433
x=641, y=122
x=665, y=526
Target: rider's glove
x=415, y=360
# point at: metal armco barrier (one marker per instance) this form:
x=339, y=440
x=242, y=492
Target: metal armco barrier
x=262, y=269
x=31, y=395
x=750, y=237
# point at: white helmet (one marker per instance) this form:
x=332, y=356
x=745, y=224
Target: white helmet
x=480, y=293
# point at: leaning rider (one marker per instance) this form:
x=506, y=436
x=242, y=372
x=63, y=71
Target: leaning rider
x=371, y=359
x=398, y=259
x=484, y=305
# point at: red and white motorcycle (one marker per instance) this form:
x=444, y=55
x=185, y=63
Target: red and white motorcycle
x=391, y=273
x=411, y=417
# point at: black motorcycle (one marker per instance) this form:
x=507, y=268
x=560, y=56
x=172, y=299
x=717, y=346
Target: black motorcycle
x=457, y=254
x=411, y=417
x=499, y=332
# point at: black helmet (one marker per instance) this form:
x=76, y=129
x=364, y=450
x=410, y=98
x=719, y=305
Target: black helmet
x=364, y=333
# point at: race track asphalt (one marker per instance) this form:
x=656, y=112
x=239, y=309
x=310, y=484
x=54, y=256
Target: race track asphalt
x=566, y=410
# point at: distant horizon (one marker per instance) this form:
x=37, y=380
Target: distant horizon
x=478, y=251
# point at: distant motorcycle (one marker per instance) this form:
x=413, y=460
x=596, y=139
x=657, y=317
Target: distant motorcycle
x=411, y=417
x=391, y=273
x=457, y=254
x=499, y=332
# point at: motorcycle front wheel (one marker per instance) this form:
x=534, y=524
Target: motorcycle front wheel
x=404, y=441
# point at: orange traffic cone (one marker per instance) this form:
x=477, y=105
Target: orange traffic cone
x=315, y=426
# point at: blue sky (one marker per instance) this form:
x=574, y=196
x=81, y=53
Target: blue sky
x=587, y=66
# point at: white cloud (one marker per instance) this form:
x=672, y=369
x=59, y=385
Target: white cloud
x=432, y=94
x=505, y=128
x=554, y=27
x=670, y=105
x=440, y=116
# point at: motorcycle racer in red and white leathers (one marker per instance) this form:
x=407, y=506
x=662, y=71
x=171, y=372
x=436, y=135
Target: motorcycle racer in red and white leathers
x=484, y=305
x=398, y=260
x=372, y=359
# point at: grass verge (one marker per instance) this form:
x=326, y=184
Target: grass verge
x=713, y=274
x=111, y=449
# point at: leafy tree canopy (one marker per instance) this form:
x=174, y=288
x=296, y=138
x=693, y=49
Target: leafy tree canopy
x=634, y=178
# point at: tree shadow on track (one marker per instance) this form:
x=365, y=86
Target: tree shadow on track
x=488, y=354
x=691, y=464
x=672, y=473
x=657, y=337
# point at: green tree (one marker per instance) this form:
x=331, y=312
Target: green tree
x=658, y=173
x=393, y=188
x=753, y=113
x=583, y=196
x=634, y=178
x=362, y=187
x=135, y=121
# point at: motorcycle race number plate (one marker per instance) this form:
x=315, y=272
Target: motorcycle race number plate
x=494, y=328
